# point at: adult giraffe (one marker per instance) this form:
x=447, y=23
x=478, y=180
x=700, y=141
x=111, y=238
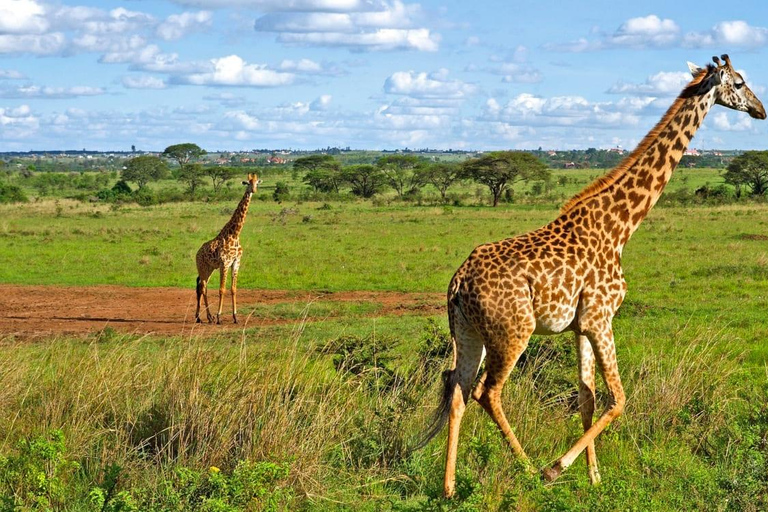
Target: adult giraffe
x=224, y=252
x=567, y=276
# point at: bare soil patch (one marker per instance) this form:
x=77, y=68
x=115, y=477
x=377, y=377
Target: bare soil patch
x=44, y=311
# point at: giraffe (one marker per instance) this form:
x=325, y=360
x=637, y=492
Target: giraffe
x=224, y=252
x=567, y=276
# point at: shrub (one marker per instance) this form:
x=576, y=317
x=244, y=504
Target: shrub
x=281, y=192
x=12, y=194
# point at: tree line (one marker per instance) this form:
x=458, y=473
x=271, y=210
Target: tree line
x=407, y=174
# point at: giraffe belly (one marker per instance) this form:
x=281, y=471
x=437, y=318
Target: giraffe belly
x=555, y=320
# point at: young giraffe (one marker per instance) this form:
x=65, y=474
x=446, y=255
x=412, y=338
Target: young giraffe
x=567, y=276
x=224, y=252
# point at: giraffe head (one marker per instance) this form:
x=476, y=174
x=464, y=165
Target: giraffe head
x=252, y=183
x=730, y=89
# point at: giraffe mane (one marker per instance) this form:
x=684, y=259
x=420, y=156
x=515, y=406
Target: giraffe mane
x=611, y=177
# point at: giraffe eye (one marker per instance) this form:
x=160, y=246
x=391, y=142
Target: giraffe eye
x=738, y=85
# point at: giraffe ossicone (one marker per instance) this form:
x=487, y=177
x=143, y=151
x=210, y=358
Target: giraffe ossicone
x=567, y=276
x=222, y=253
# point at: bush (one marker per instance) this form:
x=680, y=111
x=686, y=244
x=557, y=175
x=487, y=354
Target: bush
x=12, y=194
x=281, y=192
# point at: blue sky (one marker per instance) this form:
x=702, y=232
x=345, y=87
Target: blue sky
x=370, y=74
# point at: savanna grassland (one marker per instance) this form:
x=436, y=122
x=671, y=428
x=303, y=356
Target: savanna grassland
x=320, y=415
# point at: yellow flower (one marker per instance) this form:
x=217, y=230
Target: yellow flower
x=214, y=469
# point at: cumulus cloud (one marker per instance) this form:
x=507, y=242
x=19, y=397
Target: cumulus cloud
x=11, y=74
x=321, y=103
x=143, y=82
x=177, y=26
x=381, y=26
x=38, y=92
x=424, y=85
x=528, y=109
x=45, y=44
x=664, y=83
x=722, y=121
x=22, y=17
x=728, y=34
x=234, y=71
x=283, y=5
x=637, y=33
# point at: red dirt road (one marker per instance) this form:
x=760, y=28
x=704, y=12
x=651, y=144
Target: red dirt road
x=43, y=311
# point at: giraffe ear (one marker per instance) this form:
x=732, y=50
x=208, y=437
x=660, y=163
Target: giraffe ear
x=245, y=183
x=694, y=69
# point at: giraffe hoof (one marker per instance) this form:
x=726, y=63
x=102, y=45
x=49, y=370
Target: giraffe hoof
x=551, y=474
x=235, y=319
x=198, y=321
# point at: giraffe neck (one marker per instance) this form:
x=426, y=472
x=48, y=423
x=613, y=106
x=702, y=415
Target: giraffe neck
x=615, y=205
x=235, y=224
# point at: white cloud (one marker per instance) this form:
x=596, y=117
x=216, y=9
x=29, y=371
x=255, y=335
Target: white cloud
x=143, y=82
x=530, y=110
x=11, y=74
x=381, y=26
x=722, y=122
x=177, y=26
x=46, y=44
x=379, y=40
x=310, y=67
x=22, y=17
x=226, y=98
x=321, y=103
x=728, y=33
x=283, y=5
x=38, y=92
x=234, y=71
x=423, y=85
x=663, y=83
x=637, y=33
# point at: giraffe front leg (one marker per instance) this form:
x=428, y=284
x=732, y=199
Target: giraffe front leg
x=235, y=268
x=587, y=401
x=605, y=353
x=222, y=290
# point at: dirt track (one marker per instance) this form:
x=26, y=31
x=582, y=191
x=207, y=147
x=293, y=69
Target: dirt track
x=41, y=311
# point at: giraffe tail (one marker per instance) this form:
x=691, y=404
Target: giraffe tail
x=440, y=416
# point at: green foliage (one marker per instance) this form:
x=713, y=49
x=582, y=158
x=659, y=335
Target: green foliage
x=400, y=172
x=37, y=477
x=192, y=175
x=442, y=175
x=321, y=172
x=183, y=153
x=12, y=194
x=281, y=192
x=501, y=169
x=144, y=169
x=751, y=170
x=220, y=175
x=366, y=180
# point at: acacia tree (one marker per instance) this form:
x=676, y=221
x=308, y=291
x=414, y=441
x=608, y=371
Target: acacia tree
x=365, y=179
x=143, y=169
x=184, y=153
x=500, y=170
x=192, y=175
x=220, y=175
x=321, y=172
x=442, y=175
x=400, y=172
x=750, y=169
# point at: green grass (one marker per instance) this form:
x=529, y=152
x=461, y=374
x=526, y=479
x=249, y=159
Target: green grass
x=316, y=415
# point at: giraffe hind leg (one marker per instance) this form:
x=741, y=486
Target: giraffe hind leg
x=488, y=391
x=468, y=355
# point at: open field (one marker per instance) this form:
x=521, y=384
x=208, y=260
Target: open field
x=313, y=402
